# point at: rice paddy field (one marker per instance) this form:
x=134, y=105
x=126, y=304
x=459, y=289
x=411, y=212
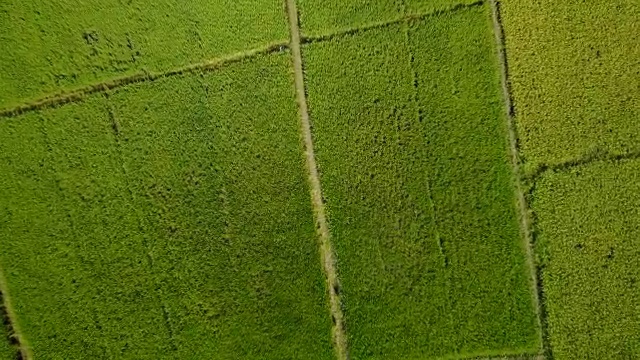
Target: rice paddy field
x=7, y=352
x=306, y=179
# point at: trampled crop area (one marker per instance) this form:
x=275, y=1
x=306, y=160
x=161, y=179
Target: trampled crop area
x=306, y=179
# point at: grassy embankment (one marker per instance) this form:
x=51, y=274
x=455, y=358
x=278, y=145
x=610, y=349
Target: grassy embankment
x=7, y=351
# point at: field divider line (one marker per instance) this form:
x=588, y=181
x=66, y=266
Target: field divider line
x=80, y=93
x=505, y=357
x=501, y=357
x=584, y=160
x=327, y=253
x=526, y=223
x=10, y=321
x=307, y=39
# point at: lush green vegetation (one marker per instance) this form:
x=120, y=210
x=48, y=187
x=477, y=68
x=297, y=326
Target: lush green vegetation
x=589, y=239
x=53, y=45
x=167, y=220
x=171, y=219
x=321, y=17
x=574, y=68
x=7, y=351
x=419, y=193
x=574, y=71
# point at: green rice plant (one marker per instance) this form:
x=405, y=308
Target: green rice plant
x=430, y=6
x=7, y=351
x=166, y=220
x=57, y=45
x=71, y=249
x=411, y=146
x=588, y=225
x=250, y=283
x=321, y=17
x=574, y=71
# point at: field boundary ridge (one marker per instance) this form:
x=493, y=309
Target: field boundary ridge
x=327, y=254
x=501, y=357
x=593, y=156
x=525, y=213
x=9, y=321
x=308, y=39
x=79, y=94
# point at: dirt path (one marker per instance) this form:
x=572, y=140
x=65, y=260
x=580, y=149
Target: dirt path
x=526, y=225
x=326, y=249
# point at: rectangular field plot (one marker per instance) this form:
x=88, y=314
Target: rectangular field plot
x=52, y=45
x=237, y=253
x=168, y=220
x=321, y=17
x=419, y=193
x=574, y=69
x=588, y=221
x=73, y=255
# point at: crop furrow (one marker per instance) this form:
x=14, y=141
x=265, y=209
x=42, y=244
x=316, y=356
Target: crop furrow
x=420, y=118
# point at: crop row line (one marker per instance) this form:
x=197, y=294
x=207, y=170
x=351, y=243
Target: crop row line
x=8, y=319
x=439, y=240
x=584, y=160
x=384, y=24
x=76, y=95
x=327, y=254
x=526, y=223
x=140, y=77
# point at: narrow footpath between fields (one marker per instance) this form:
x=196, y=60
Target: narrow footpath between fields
x=327, y=254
